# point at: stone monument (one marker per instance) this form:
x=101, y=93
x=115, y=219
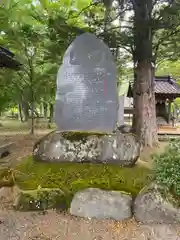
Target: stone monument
x=86, y=97
x=86, y=110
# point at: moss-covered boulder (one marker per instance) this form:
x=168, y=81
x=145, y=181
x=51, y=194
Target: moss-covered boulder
x=116, y=148
x=6, y=177
x=38, y=199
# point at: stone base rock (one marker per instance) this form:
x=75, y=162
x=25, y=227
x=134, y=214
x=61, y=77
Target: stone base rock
x=150, y=207
x=116, y=148
x=100, y=204
x=39, y=199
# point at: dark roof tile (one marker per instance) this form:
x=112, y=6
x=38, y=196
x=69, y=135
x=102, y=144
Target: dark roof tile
x=7, y=60
x=166, y=85
x=163, y=85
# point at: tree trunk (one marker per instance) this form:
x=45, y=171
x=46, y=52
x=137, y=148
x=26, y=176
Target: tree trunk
x=32, y=116
x=12, y=113
x=51, y=110
x=25, y=107
x=45, y=106
x=144, y=102
x=144, y=96
x=134, y=107
x=20, y=112
x=32, y=96
x=41, y=109
x=34, y=111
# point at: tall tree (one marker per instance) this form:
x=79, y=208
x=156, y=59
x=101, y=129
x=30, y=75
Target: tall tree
x=143, y=91
x=147, y=19
x=151, y=23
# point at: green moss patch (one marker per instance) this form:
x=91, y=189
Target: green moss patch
x=73, y=177
x=77, y=136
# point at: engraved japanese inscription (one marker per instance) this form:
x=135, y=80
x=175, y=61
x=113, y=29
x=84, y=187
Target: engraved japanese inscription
x=86, y=96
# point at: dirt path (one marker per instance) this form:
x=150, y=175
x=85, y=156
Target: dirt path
x=54, y=226
x=22, y=133
x=59, y=226
x=22, y=147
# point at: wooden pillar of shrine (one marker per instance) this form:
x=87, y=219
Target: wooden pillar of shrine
x=169, y=110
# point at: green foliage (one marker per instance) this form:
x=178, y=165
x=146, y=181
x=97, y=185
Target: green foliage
x=167, y=168
x=168, y=67
x=40, y=32
x=76, y=136
x=73, y=177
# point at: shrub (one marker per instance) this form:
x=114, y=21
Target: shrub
x=167, y=168
x=73, y=177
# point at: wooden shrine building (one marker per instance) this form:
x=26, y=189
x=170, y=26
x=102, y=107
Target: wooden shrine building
x=7, y=59
x=166, y=91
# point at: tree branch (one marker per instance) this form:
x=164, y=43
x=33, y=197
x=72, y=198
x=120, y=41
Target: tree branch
x=128, y=50
x=163, y=39
x=85, y=8
x=135, y=5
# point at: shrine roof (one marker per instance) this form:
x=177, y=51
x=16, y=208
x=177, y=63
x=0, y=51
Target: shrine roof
x=7, y=59
x=164, y=85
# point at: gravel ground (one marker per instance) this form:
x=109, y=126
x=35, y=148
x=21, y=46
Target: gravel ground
x=60, y=226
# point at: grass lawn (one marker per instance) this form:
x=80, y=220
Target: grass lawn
x=17, y=125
